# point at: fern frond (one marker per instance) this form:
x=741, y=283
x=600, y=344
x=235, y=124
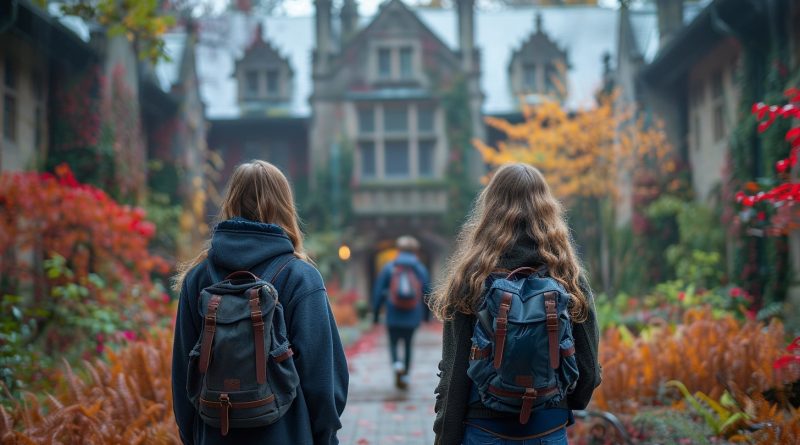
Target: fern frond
x=55, y=403
x=73, y=383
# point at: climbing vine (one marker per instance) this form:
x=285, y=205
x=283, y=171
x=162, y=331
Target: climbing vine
x=761, y=262
x=461, y=189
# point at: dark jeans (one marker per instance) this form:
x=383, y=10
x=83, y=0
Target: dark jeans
x=477, y=436
x=397, y=334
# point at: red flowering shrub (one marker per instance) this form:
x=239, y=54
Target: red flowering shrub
x=55, y=214
x=788, y=365
x=782, y=197
x=75, y=271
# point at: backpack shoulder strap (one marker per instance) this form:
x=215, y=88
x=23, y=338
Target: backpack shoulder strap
x=276, y=266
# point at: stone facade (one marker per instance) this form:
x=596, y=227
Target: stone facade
x=381, y=93
x=23, y=113
x=375, y=87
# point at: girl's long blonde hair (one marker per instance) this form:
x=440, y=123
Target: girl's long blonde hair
x=517, y=200
x=257, y=191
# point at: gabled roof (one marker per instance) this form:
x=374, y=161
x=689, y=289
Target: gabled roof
x=708, y=23
x=539, y=46
x=388, y=8
x=224, y=39
x=262, y=50
x=585, y=32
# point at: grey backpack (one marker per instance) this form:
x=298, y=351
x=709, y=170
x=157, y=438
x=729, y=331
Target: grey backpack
x=241, y=371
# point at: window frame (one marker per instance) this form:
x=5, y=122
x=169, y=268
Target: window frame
x=719, y=125
x=252, y=78
x=430, y=171
x=403, y=73
x=389, y=73
x=276, y=76
x=416, y=138
x=10, y=118
x=405, y=146
x=363, y=162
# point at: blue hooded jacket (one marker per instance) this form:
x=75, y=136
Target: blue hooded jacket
x=399, y=318
x=313, y=419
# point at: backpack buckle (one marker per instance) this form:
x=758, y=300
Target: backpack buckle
x=552, y=315
x=225, y=406
x=528, y=398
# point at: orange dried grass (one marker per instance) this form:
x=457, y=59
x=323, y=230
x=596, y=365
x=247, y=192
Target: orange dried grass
x=705, y=353
x=126, y=400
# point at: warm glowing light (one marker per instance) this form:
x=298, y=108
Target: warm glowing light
x=344, y=253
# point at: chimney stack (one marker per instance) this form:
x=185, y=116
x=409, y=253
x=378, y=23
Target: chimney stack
x=466, y=34
x=670, y=19
x=324, y=36
x=349, y=17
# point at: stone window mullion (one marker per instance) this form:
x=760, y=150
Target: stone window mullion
x=540, y=78
x=395, y=62
x=413, y=140
x=438, y=152
x=380, y=139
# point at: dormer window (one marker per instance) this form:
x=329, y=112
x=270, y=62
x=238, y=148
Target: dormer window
x=539, y=67
x=264, y=77
x=396, y=61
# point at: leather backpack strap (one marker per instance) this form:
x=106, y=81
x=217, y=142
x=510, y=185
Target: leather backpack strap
x=258, y=336
x=282, y=266
x=529, y=396
x=500, y=331
x=552, y=328
x=393, y=284
x=208, y=332
x=522, y=270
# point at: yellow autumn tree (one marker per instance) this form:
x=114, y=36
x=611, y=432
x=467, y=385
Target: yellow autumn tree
x=582, y=154
x=590, y=154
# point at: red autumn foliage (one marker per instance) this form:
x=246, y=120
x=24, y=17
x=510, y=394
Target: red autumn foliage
x=44, y=214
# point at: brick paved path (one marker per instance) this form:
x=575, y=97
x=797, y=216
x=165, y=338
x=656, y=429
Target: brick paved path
x=376, y=412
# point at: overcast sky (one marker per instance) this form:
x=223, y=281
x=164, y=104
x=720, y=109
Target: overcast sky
x=365, y=7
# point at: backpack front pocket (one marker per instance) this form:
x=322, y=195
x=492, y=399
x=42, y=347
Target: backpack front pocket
x=238, y=409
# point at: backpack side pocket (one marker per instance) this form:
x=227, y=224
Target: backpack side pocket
x=194, y=380
x=282, y=376
x=568, y=371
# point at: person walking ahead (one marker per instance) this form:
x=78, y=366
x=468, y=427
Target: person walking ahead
x=402, y=285
x=490, y=391
x=284, y=379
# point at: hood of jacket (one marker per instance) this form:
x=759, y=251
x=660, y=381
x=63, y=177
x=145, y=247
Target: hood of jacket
x=523, y=253
x=241, y=244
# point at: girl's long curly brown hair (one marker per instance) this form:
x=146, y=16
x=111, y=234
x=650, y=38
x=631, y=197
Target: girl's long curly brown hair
x=516, y=198
x=257, y=191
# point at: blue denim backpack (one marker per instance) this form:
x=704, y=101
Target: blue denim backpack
x=523, y=352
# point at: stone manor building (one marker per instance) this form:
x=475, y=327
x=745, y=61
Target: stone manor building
x=303, y=91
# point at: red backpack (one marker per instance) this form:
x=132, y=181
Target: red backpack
x=405, y=289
